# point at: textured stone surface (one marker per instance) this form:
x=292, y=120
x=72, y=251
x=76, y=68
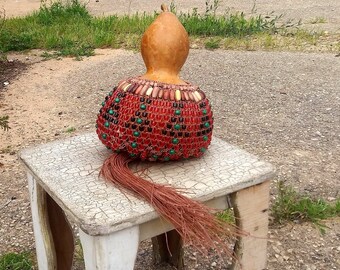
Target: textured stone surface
x=68, y=170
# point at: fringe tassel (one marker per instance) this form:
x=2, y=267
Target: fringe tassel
x=193, y=221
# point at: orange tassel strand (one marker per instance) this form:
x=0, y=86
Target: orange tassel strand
x=160, y=117
x=193, y=221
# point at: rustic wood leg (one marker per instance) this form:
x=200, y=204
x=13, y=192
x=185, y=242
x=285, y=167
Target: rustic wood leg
x=46, y=255
x=251, y=212
x=115, y=251
x=168, y=247
x=62, y=233
x=53, y=234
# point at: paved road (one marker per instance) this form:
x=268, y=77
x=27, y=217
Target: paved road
x=281, y=106
x=307, y=10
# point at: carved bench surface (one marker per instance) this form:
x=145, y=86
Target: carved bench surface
x=68, y=170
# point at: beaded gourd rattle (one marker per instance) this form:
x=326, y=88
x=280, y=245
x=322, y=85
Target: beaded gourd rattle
x=160, y=117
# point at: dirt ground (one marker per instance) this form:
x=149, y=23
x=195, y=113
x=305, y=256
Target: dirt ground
x=284, y=107
x=284, y=110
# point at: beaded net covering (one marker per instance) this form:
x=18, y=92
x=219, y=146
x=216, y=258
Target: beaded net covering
x=160, y=117
x=156, y=121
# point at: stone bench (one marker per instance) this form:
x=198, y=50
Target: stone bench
x=63, y=179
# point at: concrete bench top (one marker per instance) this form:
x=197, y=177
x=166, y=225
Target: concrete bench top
x=68, y=170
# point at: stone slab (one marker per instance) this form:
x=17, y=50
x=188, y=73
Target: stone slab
x=68, y=170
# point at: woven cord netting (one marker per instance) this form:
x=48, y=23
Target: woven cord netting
x=194, y=221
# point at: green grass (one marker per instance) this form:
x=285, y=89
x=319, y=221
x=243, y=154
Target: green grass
x=70, y=129
x=78, y=253
x=318, y=20
x=292, y=206
x=69, y=29
x=212, y=43
x=4, y=122
x=227, y=216
x=16, y=261
x=288, y=206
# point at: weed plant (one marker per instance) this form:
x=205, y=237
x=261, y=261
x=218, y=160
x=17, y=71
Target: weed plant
x=4, y=122
x=16, y=261
x=69, y=29
x=233, y=25
x=227, y=216
x=292, y=206
x=70, y=130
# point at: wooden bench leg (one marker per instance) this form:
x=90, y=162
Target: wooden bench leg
x=53, y=234
x=168, y=247
x=251, y=212
x=115, y=251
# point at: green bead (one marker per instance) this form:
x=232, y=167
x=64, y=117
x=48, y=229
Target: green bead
x=204, y=111
x=103, y=103
x=110, y=94
x=207, y=124
x=136, y=134
x=132, y=155
x=166, y=159
x=96, y=125
x=177, y=126
x=110, y=112
x=203, y=149
x=143, y=106
x=134, y=145
x=104, y=136
x=107, y=124
x=178, y=112
x=172, y=152
x=175, y=141
x=155, y=156
x=139, y=121
x=117, y=100
x=205, y=138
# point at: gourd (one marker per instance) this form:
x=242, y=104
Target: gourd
x=164, y=48
x=159, y=117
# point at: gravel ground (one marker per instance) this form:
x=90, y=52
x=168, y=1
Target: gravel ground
x=283, y=107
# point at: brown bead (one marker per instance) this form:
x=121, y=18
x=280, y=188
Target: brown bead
x=155, y=92
x=195, y=97
x=166, y=94
x=185, y=94
x=139, y=88
x=160, y=94
x=191, y=96
x=121, y=84
x=172, y=94
x=144, y=89
x=132, y=88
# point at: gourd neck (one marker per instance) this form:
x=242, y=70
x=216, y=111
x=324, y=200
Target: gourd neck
x=163, y=75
